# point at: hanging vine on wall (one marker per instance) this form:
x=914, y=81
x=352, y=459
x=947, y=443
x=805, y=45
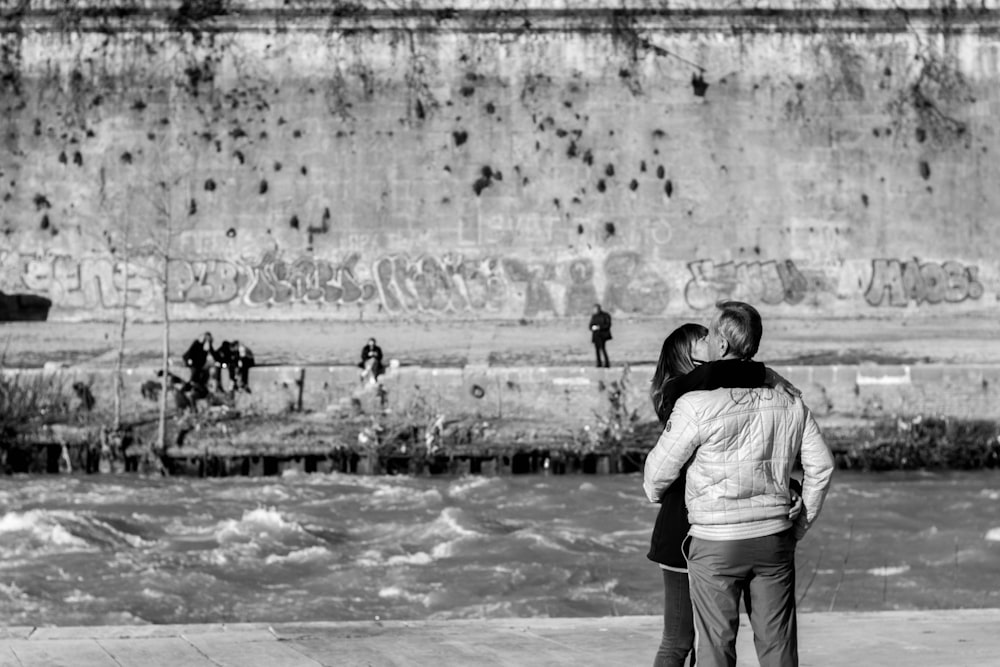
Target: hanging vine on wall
x=422, y=100
x=625, y=30
x=938, y=85
x=335, y=94
x=10, y=67
x=844, y=73
x=73, y=93
x=338, y=92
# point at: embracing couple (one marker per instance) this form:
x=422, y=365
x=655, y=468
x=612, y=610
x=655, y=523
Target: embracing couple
x=730, y=511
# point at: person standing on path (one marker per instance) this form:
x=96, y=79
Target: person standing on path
x=600, y=334
x=738, y=447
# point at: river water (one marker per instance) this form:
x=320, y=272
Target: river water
x=83, y=550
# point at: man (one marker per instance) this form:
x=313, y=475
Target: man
x=741, y=444
x=600, y=328
x=200, y=358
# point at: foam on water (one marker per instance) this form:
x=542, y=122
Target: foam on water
x=466, y=486
x=444, y=550
x=401, y=496
x=993, y=535
x=544, y=540
x=888, y=570
x=265, y=532
x=451, y=522
x=870, y=494
x=78, y=597
x=39, y=531
x=52, y=531
x=11, y=591
x=260, y=522
x=259, y=493
x=153, y=594
x=307, y=555
x=369, y=558
x=441, y=537
x=397, y=593
x=418, y=558
x=447, y=524
x=354, y=483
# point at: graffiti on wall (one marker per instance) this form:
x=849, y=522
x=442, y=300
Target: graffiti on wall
x=536, y=279
x=897, y=283
x=447, y=284
x=757, y=282
x=397, y=284
x=273, y=280
x=204, y=282
x=631, y=287
x=452, y=284
x=94, y=282
x=102, y=282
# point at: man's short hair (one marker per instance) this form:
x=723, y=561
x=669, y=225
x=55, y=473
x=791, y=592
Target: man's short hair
x=740, y=325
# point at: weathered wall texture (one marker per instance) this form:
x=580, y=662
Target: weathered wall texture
x=339, y=160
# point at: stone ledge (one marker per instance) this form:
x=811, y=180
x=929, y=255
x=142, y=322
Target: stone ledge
x=570, y=394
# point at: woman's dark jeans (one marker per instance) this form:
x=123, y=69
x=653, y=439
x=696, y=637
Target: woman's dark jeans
x=678, y=621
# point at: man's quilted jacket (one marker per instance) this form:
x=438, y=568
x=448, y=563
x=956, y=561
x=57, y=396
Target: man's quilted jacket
x=742, y=444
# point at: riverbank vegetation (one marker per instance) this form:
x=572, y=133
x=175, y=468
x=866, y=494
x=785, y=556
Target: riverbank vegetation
x=48, y=424
x=920, y=442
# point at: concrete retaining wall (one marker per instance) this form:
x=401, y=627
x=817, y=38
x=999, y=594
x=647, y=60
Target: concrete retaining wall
x=573, y=397
x=501, y=159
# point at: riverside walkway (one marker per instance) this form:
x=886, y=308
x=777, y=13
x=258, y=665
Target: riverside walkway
x=939, y=337
x=838, y=639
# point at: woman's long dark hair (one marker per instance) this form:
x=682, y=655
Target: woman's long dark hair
x=675, y=360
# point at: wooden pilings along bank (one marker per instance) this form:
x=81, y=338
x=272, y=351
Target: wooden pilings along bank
x=520, y=462
x=84, y=458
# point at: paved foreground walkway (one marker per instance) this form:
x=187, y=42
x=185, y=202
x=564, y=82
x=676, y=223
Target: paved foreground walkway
x=842, y=639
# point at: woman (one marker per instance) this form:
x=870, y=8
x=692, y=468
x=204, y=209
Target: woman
x=680, y=369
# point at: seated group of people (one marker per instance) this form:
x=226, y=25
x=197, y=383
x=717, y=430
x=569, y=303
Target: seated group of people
x=205, y=362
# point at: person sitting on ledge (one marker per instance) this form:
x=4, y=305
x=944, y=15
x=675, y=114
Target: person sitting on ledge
x=237, y=359
x=371, y=362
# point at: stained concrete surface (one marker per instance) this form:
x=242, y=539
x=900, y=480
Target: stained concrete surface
x=841, y=639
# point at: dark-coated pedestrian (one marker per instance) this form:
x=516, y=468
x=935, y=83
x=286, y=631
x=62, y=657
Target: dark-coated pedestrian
x=600, y=334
